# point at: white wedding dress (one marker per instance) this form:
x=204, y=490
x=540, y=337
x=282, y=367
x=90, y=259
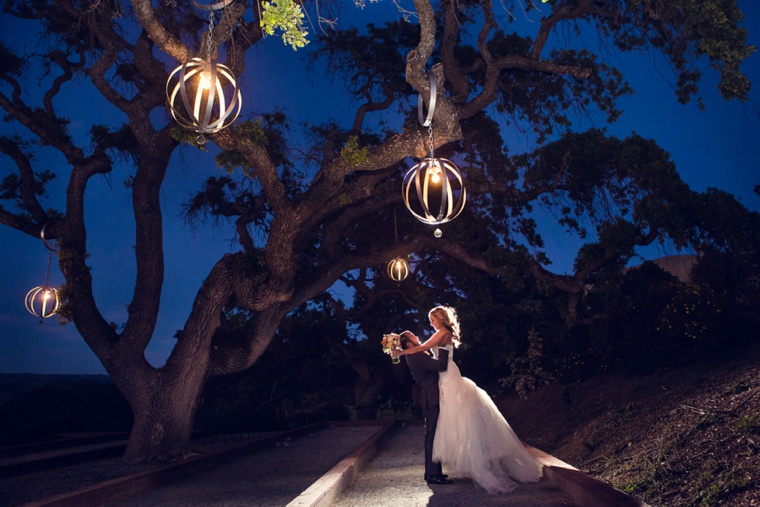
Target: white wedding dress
x=474, y=440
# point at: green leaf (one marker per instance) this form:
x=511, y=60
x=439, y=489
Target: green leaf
x=286, y=16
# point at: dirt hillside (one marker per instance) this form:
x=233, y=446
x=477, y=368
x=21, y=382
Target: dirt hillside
x=687, y=436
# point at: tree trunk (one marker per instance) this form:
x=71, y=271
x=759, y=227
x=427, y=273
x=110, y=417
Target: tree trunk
x=367, y=391
x=164, y=417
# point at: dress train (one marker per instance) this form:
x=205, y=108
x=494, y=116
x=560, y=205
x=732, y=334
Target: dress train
x=474, y=440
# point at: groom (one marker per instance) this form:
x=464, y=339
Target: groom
x=425, y=370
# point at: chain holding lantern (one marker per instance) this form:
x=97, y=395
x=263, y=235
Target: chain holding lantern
x=43, y=301
x=433, y=190
x=203, y=95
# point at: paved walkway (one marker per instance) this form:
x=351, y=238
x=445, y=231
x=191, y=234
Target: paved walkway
x=338, y=464
x=394, y=478
x=275, y=476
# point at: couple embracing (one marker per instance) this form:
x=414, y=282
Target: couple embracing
x=464, y=429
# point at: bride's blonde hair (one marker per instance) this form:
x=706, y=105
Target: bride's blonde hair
x=447, y=316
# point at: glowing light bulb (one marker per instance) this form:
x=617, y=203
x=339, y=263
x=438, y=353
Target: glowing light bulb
x=46, y=295
x=435, y=177
x=204, y=80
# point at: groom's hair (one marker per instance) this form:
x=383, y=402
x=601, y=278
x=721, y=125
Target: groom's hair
x=405, y=340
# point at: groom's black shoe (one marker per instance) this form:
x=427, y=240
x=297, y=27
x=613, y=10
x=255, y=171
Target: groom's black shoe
x=438, y=479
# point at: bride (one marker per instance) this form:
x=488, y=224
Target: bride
x=472, y=438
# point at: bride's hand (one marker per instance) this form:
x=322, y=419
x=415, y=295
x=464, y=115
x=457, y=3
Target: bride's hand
x=395, y=353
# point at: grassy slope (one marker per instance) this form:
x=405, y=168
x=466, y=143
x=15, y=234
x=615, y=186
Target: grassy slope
x=686, y=436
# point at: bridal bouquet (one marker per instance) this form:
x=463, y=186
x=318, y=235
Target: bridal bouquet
x=391, y=341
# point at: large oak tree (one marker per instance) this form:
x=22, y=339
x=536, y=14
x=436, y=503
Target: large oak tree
x=317, y=212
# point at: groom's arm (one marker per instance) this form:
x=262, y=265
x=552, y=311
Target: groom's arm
x=435, y=364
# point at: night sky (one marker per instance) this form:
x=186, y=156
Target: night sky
x=718, y=147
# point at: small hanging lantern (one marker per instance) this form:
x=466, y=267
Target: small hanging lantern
x=398, y=269
x=44, y=301
x=203, y=95
x=433, y=190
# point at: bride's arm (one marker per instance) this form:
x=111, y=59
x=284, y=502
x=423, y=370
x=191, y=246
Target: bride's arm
x=438, y=338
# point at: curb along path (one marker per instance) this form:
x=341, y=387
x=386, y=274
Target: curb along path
x=272, y=476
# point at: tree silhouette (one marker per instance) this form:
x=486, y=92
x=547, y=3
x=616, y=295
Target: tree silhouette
x=303, y=223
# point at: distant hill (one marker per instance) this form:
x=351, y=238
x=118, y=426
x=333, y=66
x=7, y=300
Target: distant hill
x=14, y=384
x=32, y=404
x=677, y=265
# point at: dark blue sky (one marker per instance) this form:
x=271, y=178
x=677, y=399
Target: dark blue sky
x=718, y=147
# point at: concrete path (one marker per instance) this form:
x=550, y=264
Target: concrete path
x=333, y=464
x=394, y=478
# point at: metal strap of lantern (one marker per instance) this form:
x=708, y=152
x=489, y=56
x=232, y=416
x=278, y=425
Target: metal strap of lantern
x=213, y=6
x=433, y=190
x=203, y=95
x=43, y=301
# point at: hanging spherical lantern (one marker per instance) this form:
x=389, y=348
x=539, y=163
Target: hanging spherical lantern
x=398, y=269
x=203, y=96
x=42, y=301
x=434, y=191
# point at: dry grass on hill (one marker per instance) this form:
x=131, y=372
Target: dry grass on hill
x=686, y=436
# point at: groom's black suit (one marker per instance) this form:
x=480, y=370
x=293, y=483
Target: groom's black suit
x=425, y=370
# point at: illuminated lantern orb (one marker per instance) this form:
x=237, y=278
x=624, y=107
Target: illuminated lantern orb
x=398, y=269
x=42, y=301
x=203, y=96
x=434, y=191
